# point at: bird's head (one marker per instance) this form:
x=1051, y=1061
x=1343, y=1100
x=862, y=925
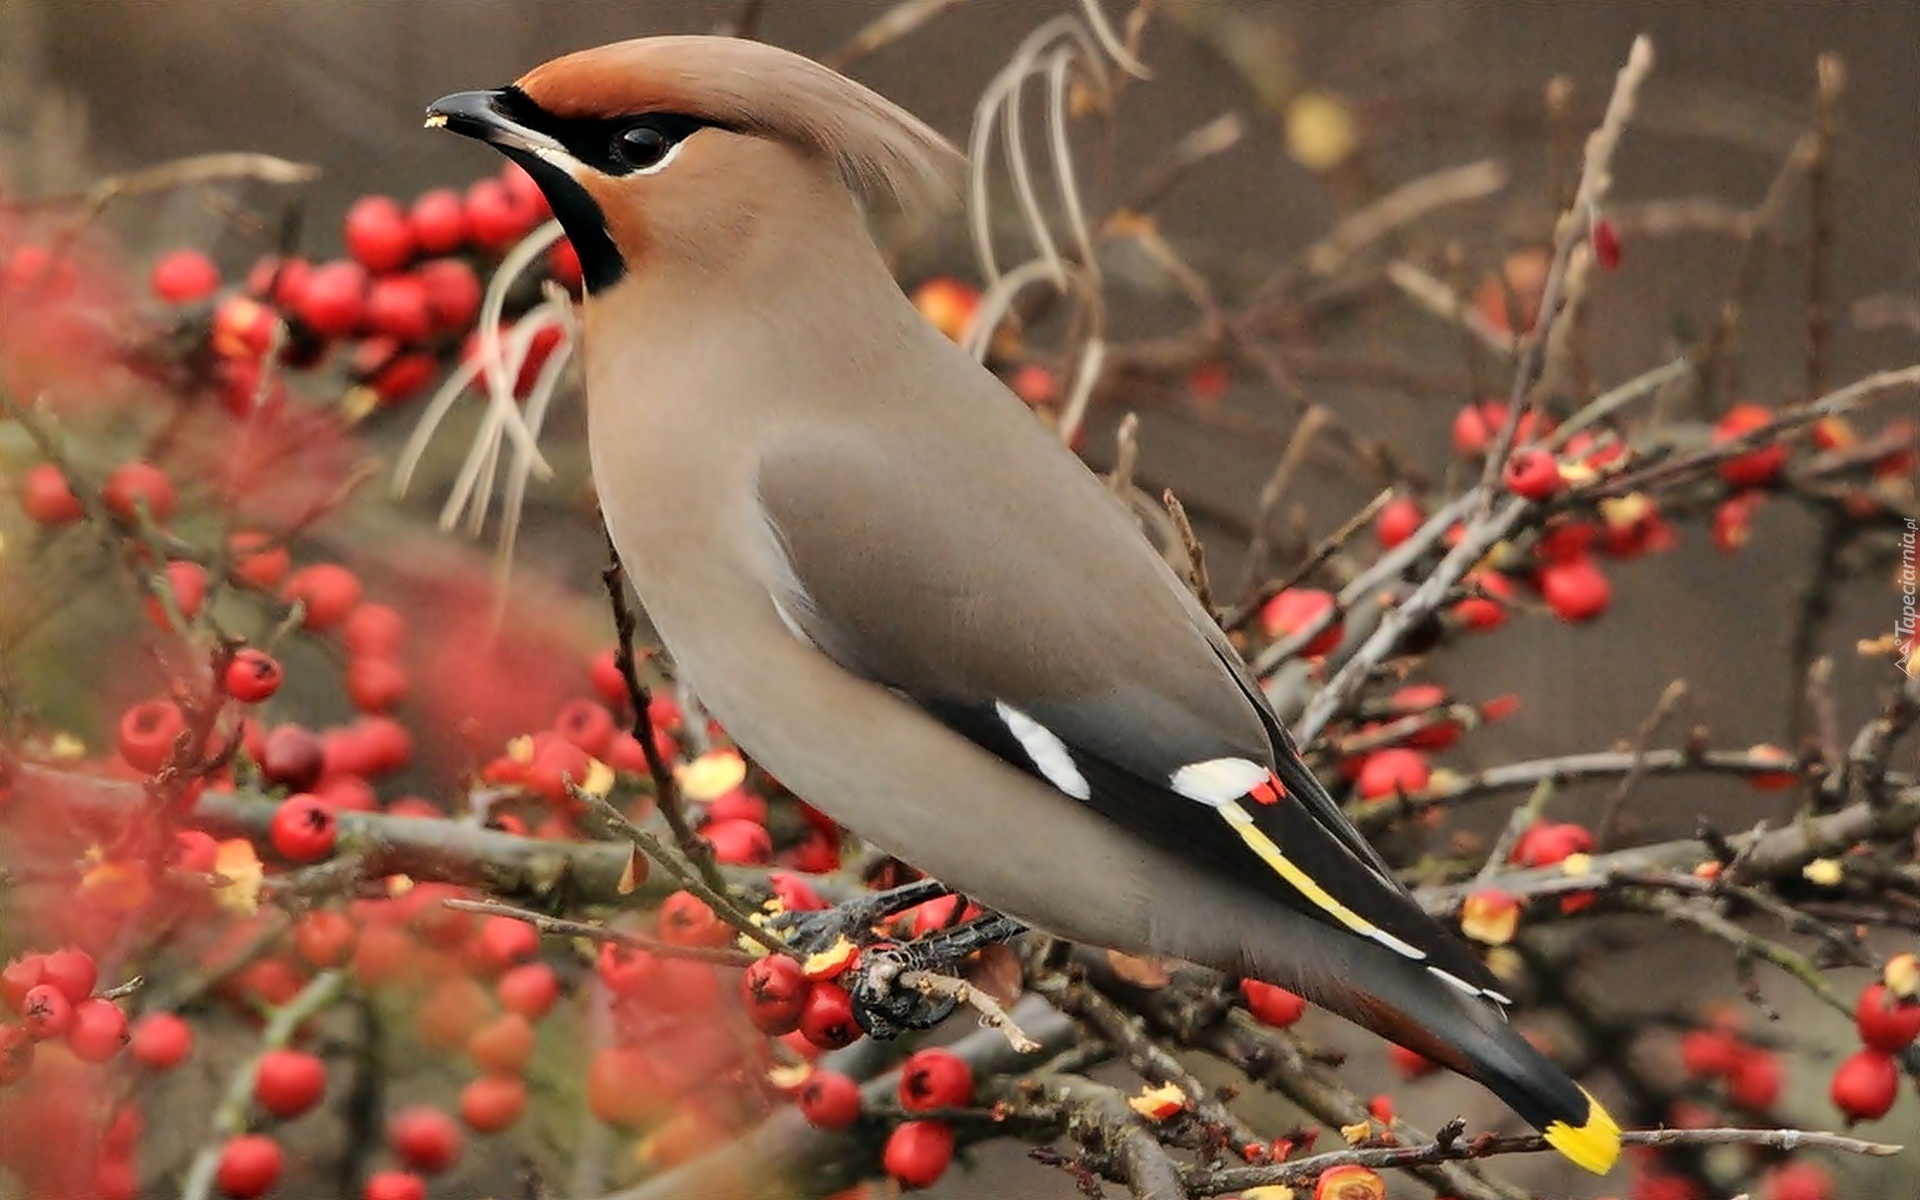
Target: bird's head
x=671, y=146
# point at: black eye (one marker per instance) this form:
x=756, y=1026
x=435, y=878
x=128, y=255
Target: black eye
x=640, y=146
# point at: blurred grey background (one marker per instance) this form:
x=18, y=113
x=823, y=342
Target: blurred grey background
x=101, y=85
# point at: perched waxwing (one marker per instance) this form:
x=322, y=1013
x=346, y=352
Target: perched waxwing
x=908, y=600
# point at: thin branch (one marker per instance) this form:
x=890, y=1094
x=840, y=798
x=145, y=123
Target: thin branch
x=593, y=931
x=1204, y=1182
x=1596, y=181
x=1616, y=803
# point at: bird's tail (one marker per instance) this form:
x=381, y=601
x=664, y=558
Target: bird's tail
x=1403, y=1002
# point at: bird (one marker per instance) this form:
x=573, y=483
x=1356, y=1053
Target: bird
x=908, y=600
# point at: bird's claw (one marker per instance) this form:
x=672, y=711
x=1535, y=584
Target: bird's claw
x=884, y=1005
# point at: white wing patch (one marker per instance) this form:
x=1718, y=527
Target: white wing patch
x=1047, y=752
x=1478, y=993
x=1218, y=781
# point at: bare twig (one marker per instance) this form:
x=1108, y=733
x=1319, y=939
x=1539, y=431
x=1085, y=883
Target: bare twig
x=1204, y=1182
x=1596, y=181
x=992, y=1015
x=593, y=931
x=1196, y=553
x=666, y=792
x=1616, y=803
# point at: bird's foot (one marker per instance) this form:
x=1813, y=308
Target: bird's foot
x=887, y=998
x=813, y=932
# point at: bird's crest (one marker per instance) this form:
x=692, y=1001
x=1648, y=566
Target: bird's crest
x=890, y=159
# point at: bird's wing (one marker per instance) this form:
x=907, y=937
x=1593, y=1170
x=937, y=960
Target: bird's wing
x=1059, y=642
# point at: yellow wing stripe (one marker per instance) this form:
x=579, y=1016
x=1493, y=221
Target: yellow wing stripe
x=1594, y=1145
x=1269, y=853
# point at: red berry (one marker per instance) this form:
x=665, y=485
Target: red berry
x=1575, y=590
x=46, y=1012
x=328, y=590
x=620, y=1087
x=99, y=1030
x=148, y=731
x=385, y=742
x=1564, y=541
x=935, y=1078
x=303, y=829
x=1605, y=237
x=794, y=893
x=377, y=234
x=1410, y=1063
x=1864, y=1086
x=1393, y=772
x=186, y=583
x=739, y=843
x=256, y=561
x=1271, y=1005
x=426, y=1138
x=525, y=192
x=161, y=1041
x=506, y=941
x=374, y=630
x=404, y=376
x=1297, y=609
x=334, y=299
x=493, y=1102
x=1549, y=843
x=398, y=307
x=1755, y=1081
x=453, y=293
x=324, y=937
x=1476, y=425
x=826, y=1019
x=72, y=970
x=438, y=222
x=280, y=280
x=289, y=1082
x=607, y=680
x=1533, y=475
x=775, y=992
x=626, y=970
x=1485, y=612
x=184, y=276
x=1886, y=1022
x=292, y=758
x=563, y=263
x=494, y=221
x=685, y=920
x=395, y=1185
x=20, y=976
x=249, y=1166
x=252, y=676
x=917, y=1153
x=1399, y=520
x=47, y=499
x=530, y=990
x=503, y=1046
x=137, y=485
x=1756, y=468
x=829, y=1100
x=587, y=725
x=1709, y=1053
x=375, y=684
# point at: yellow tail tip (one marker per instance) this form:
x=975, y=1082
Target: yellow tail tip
x=1594, y=1145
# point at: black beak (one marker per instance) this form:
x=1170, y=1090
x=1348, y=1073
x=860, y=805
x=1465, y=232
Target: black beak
x=484, y=116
